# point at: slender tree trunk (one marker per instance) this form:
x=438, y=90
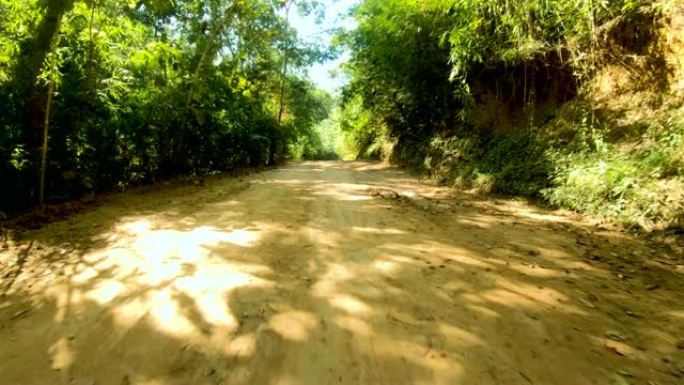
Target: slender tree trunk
x=283, y=73
x=592, y=45
x=90, y=73
x=92, y=68
x=46, y=125
x=31, y=94
x=207, y=53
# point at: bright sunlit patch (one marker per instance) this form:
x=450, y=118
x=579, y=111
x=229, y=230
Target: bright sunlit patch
x=328, y=283
x=677, y=313
x=161, y=267
x=163, y=272
x=444, y=252
x=242, y=346
x=167, y=314
x=519, y=295
x=459, y=336
x=621, y=348
x=208, y=288
x=137, y=227
x=106, y=291
x=386, y=267
x=61, y=354
x=354, y=325
x=217, y=277
x=401, y=259
x=156, y=246
x=373, y=230
x=290, y=182
x=130, y=312
x=85, y=275
x=215, y=310
x=240, y=237
x=350, y=304
x=293, y=325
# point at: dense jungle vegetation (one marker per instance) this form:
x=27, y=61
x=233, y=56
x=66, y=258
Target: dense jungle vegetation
x=574, y=102
x=577, y=103
x=102, y=94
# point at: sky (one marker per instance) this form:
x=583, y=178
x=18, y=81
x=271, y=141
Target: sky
x=309, y=30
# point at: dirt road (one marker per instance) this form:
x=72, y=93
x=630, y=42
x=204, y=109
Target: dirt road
x=335, y=273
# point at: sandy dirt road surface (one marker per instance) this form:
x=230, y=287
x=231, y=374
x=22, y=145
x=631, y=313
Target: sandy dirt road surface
x=335, y=273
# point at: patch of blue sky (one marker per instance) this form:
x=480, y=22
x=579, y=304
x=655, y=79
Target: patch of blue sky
x=319, y=30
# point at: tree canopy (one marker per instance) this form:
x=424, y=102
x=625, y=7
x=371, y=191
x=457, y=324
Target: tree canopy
x=113, y=93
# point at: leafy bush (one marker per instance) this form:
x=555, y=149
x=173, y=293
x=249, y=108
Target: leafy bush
x=518, y=164
x=643, y=188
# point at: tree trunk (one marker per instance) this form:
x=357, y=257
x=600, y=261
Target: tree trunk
x=31, y=95
x=285, y=5
x=281, y=98
x=33, y=55
x=208, y=52
x=46, y=125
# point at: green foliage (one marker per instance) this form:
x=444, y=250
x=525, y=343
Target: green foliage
x=514, y=163
x=398, y=68
x=147, y=90
x=428, y=76
x=414, y=63
x=510, y=32
x=364, y=134
x=642, y=188
x=517, y=162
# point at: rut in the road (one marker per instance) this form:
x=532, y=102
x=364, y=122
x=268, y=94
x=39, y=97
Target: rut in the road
x=314, y=274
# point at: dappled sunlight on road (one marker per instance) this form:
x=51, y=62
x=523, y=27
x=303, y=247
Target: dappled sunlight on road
x=149, y=269
x=308, y=275
x=293, y=325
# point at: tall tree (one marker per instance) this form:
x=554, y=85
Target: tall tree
x=30, y=64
